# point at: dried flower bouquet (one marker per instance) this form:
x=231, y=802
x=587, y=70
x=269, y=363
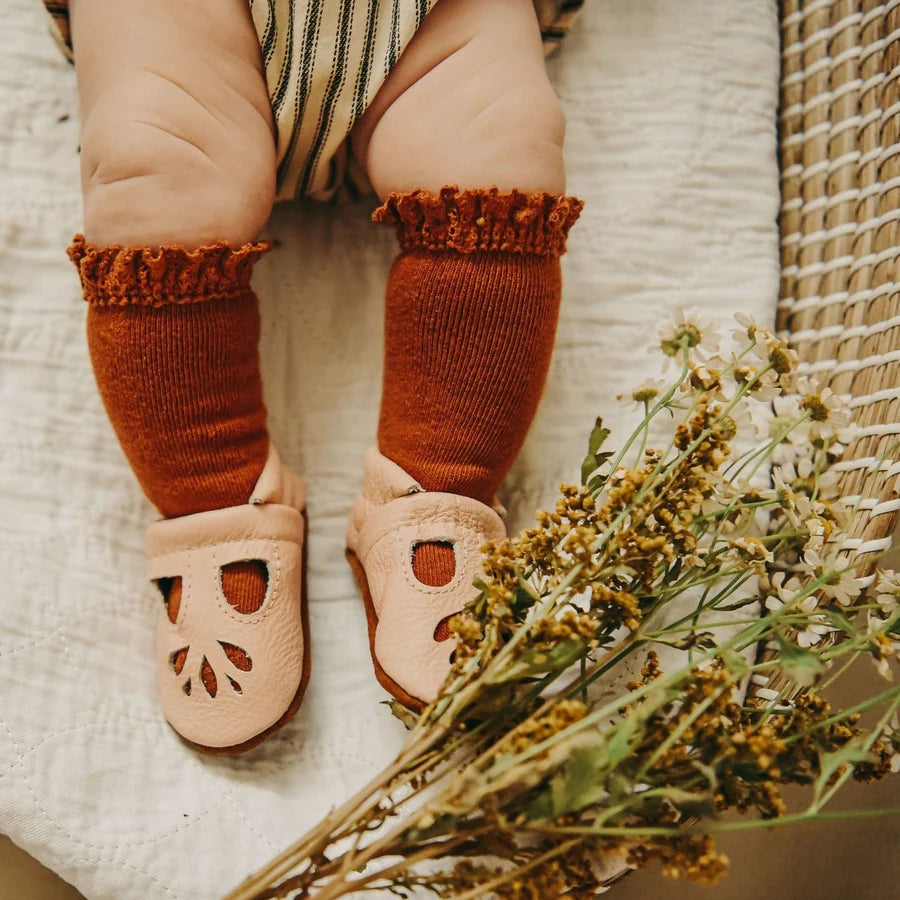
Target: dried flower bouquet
x=526, y=773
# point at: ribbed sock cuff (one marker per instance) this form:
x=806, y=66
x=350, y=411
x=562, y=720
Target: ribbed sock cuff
x=481, y=219
x=141, y=276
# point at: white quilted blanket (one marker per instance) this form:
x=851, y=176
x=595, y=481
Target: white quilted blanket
x=671, y=143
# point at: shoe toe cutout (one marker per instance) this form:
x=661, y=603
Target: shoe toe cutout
x=410, y=640
x=227, y=674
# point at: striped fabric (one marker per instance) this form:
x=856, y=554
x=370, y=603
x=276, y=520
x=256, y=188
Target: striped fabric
x=324, y=62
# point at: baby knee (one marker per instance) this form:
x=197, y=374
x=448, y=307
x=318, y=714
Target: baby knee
x=522, y=126
x=147, y=183
x=485, y=129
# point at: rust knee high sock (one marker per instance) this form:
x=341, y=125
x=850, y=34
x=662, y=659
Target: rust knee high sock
x=471, y=309
x=173, y=340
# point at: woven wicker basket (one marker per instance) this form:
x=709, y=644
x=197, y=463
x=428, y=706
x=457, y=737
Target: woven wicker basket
x=839, y=303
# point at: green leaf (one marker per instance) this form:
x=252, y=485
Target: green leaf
x=893, y=627
x=492, y=700
x=522, y=601
x=598, y=435
x=582, y=779
x=620, y=743
x=541, y=807
x=594, y=458
x=527, y=586
x=835, y=617
x=596, y=483
x=580, y=782
x=798, y=664
x=537, y=661
x=735, y=663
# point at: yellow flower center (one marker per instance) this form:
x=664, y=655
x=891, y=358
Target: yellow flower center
x=645, y=394
x=817, y=410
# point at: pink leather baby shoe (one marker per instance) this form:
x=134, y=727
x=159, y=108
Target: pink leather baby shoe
x=260, y=660
x=391, y=515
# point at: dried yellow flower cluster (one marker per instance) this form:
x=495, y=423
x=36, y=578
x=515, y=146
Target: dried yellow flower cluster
x=534, y=754
x=611, y=551
x=681, y=856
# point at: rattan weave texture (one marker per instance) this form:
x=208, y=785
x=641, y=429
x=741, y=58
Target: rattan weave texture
x=839, y=303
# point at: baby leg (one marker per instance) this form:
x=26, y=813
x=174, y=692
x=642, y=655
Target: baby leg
x=468, y=103
x=473, y=299
x=178, y=173
x=177, y=134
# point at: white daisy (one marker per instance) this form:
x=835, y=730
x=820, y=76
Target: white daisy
x=752, y=548
x=813, y=631
x=752, y=332
x=648, y=391
x=842, y=585
x=816, y=528
x=887, y=591
x=829, y=413
x=692, y=330
x=741, y=424
x=783, y=592
x=789, y=422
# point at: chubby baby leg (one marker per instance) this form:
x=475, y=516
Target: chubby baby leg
x=178, y=153
x=463, y=144
x=177, y=133
x=178, y=172
x=468, y=103
x=471, y=304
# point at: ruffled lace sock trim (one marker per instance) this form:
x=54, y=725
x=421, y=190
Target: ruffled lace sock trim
x=140, y=276
x=481, y=219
